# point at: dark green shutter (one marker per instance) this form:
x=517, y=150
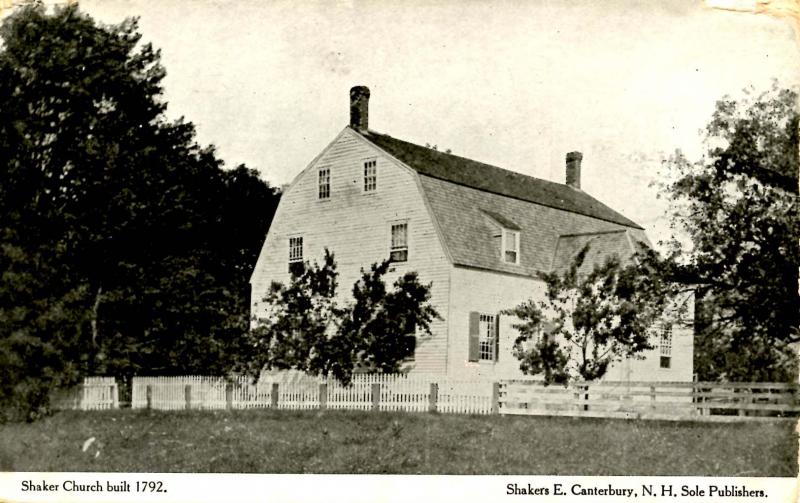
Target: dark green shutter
x=497, y=338
x=474, y=337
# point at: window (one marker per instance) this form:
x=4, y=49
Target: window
x=510, y=246
x=370, y=175
x=486, y=337
x=296, y=254
x=666, y=346
x=483, y=337
x=324, y=183
x=398, y=250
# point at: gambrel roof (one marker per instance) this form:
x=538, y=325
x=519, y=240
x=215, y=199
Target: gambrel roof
x=601, y=245
x=470, y=200
x=478, y=175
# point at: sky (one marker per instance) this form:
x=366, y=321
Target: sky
x=514, y=84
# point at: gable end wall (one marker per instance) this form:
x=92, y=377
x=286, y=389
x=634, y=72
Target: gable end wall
x=355, y=226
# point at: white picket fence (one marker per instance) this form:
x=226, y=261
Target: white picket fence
x=466, y=397
x=292, y=390
x=95, y=393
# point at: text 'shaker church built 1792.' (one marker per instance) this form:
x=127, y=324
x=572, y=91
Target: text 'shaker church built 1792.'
x=479, y=234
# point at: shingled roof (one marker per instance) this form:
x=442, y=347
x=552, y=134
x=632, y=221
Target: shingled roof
x=602, y=245
x=477, y=175
x=472, y=201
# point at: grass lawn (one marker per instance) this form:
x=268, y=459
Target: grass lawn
x=279, y=441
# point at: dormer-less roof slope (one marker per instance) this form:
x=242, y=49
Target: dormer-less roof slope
x=602, y=245
x=478, y=175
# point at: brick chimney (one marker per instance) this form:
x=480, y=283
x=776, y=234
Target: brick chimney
x=359, y=108
x=574, y=169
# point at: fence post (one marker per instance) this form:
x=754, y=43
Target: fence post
x=433, y=397
x=323, y=396
x=653, y=397
x=696, y=399
x=740, y=400
x=495, y=397
x=149, y=395
x=273, y=399
x=229, y=395
x=187, y=393
x=586, y=397
x=114, y=396
x=376, y=395
x=577, y=397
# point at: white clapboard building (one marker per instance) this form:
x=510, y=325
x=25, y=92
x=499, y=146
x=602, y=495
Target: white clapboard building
x=478, y=233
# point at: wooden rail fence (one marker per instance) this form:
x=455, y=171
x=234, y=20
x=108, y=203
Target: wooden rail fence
x=651, y=400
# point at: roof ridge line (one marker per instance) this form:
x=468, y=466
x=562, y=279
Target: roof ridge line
x=576, y=234
x=553, y=194
x=511, y=171
x=481, y=189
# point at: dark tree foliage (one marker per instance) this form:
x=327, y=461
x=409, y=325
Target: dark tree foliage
x=382, y=324
x=738, y=208
x=305, y=329
x=588, y=321
x=44, y=325
x=299, y=329
x=113, y=215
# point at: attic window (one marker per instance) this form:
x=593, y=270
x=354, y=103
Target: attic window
x=510, y=246
x=324, y=183
x=370, y=175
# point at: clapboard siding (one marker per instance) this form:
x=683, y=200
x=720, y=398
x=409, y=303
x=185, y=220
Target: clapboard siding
x=487, y=292
x=356, y=227
x=474, y=290
x=648, y=368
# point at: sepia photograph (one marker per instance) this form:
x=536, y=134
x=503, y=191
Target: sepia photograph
x=359, y=237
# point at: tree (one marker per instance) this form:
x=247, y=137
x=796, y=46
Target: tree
x=588, y=321
x=738, y=236
x=105, y=202
x=305, y=329
x=382, y=325
x=299, y=328
x=43, y=325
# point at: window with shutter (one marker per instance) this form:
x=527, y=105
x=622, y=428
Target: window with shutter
x=497, y=338
x=474, y=337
